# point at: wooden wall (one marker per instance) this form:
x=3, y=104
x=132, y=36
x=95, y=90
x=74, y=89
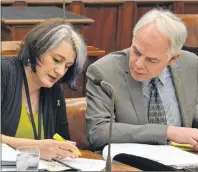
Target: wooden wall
x=114, y=19
x=114, y=22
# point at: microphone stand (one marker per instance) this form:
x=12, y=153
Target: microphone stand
x=108, y=162
x=64, y=9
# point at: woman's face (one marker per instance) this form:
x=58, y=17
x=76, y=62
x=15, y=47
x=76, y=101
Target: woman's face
x=54, y=64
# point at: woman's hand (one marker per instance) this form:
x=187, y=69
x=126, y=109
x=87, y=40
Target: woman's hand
x=50, y=149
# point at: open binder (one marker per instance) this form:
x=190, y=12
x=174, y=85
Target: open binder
x=153, y=157
x=142, y=163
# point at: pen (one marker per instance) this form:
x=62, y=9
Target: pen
x=59, y=138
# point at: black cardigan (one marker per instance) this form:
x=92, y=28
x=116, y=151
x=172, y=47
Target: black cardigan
x=54, y=116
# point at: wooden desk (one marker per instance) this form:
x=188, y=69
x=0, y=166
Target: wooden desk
x=23, y=19
x=116, y=166
x=10, y=49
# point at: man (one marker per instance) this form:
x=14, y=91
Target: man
x=156, y=87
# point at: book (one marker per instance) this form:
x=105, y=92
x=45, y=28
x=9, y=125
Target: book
x=162, y=154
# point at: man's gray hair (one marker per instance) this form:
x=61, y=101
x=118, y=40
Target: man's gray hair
x=167, y=24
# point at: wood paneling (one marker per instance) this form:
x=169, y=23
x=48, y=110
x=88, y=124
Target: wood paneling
x=191, y=7
x=144, y=6
x=19, y=4
x=125, y=25
x=23, y=19
x=103, y=33
x=18, y=32
x=115, y=19
x=178, y=7
x=77, y=7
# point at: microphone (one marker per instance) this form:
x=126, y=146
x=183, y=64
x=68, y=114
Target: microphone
x=104, y=84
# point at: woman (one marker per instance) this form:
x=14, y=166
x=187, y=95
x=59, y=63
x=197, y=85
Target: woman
x=32, y=98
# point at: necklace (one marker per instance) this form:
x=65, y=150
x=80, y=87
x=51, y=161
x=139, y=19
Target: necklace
x=34, y=100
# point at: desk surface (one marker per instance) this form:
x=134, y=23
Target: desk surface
x=33, y=15
x=116, y=166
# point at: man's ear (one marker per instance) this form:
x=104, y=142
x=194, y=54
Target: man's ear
x=173, y=59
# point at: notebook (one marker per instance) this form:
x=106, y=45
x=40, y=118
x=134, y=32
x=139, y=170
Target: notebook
x=163, y=154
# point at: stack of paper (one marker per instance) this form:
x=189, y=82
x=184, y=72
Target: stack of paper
x=164, y=154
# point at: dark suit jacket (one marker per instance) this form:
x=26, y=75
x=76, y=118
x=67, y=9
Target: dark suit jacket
x=130, y=117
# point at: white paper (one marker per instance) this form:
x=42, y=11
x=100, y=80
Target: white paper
x=86, y=164
x=51, y=166
x=8, y=153
x=165, y=154
x=8, y=168
x=80, y=163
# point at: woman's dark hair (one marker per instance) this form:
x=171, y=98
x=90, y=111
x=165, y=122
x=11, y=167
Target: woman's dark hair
x=48, y=35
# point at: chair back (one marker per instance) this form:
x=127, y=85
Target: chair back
x=10, y=48
x=76, y=108
x=191, y=21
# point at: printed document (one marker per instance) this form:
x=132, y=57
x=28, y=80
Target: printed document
x=83, y=164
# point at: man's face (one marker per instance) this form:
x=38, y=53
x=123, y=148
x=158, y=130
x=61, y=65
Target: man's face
x=148, y=54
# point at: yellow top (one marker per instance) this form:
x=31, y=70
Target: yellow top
x=24, y=129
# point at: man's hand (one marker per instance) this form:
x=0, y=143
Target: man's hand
x=183, y=135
